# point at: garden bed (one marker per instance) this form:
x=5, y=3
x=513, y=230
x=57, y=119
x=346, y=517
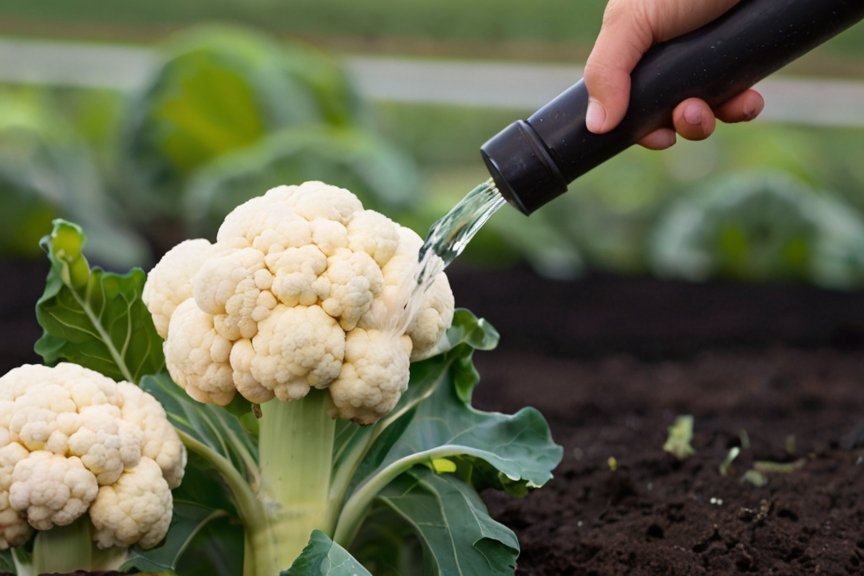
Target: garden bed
x=774, y=370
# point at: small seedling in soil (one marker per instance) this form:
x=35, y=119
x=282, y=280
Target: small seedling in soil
x=680, y=438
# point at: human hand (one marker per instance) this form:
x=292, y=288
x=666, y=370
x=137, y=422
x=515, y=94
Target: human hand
x=629, y=29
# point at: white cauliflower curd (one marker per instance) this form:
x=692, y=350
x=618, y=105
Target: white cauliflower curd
x=75, y=442
x=303, y=288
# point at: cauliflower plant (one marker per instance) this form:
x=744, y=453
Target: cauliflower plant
x=303, y=289
x=75, y=442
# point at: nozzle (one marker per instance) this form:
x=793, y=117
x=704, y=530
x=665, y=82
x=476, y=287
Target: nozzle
x=532, y=161
x=522, y=168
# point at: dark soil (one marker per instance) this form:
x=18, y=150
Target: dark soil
x=775, y=371
x=21, y=284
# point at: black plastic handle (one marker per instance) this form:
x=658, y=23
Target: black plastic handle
x=532, y=161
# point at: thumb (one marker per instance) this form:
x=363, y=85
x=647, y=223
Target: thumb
x=620, y=45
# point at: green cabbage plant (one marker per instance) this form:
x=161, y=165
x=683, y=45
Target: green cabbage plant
x=218, y=90
x=760, y=226
x=47, y=172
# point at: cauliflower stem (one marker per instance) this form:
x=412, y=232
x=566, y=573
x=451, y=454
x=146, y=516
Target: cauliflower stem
x=65, y=549
x=295, y=452
x=292, y=490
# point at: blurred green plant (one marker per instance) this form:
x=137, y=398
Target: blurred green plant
x=226, y=114
x=46, y=171
x=758, y=226
x=218, y=90
x=229, y=113
x=379, y=174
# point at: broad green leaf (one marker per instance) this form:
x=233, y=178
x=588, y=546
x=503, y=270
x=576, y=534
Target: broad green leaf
x=7, y=564
x=219, y=446
x=323, y=557
x=216, y=551
x=472, y=331
x=452, y=523
x=519, y=446
x=488, y=450
x=466, y=333
x=445, y=425
x=213, y=426
x=388, y=545
x=92, y=317
x=188, y=520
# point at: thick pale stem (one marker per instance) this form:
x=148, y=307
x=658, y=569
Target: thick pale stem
x=66, y=549
x=295, y=455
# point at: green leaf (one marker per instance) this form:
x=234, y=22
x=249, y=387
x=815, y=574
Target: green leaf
x=435, y=421
x=452, y=523
x=216, y=551
x=519, y=446
x=91, y=317
x=7, y=564
x=219, y=444
x=188, y=520
x=323, y=557
x=469, y=330
x=213, y=426
x=444, y=424
x=387, y=545
x=466, y=333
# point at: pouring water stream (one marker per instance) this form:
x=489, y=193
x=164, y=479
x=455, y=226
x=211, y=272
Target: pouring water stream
x=446, y=240
x=449, y=236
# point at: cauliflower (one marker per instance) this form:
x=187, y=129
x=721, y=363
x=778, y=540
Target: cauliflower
x=303, y=289
x=75, y=442
x=132, y=510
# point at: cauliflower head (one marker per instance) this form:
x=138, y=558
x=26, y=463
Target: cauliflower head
x=303, y=288
x=71, y=440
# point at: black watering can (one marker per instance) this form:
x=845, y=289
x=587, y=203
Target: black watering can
x=532, y=161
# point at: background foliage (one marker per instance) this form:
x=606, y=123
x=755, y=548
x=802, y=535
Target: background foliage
x=286, y=111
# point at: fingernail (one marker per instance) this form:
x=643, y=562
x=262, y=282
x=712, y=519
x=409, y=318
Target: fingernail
x=595, y=116
x=693, y=115
x=750, y=112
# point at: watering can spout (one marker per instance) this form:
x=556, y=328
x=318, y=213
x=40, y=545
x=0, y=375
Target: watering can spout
x=533, y=161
